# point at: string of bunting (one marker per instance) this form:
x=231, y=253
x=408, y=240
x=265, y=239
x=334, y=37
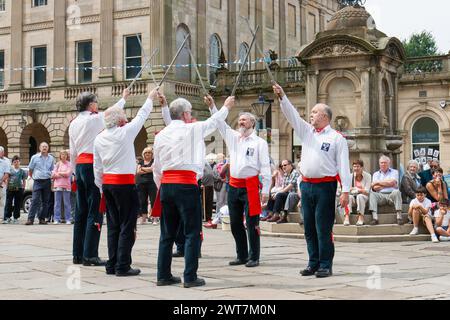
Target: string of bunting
x=121, y=67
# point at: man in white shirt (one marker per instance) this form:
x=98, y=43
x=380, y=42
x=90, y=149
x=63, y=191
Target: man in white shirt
x=249, y=159
x=385, y=190
x=5, y=165
x=179, y=160
x=88, y=220
x=114, y=172
x=325, y=160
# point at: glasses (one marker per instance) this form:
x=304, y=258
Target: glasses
x=284, y=165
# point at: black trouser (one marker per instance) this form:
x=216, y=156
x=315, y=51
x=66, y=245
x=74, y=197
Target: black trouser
x=40, y=201
x=208, y=199
x=237, y=206
x=17, y=196
x=122, y=211
x=146, y=191
x=277, y=205
x=88, y=219
x=180, y=205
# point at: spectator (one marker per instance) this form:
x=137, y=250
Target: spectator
x=410, y=182
x=207, y=190
x=220, y=187
x=61, y=176
x=277, y=200
x=40, y=169
x=359, y=192
x=437, y=188
x=385, y=190
x=5, y=165
x=426, y=175
x=420, y=209
x=442, y=216
x=145, y=184
x=16, y=185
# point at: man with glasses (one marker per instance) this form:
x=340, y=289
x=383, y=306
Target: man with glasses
x=277, y=200
x=426, y=175
x=88, y=220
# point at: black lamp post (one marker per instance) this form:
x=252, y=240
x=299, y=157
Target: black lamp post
x=259, y=109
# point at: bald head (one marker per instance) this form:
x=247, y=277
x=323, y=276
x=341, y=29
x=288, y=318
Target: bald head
x=321, y=116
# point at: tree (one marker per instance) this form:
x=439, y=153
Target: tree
x=420, y=44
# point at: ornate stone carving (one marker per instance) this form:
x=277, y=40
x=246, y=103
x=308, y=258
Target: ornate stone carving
x=38, y=26
x=338, y=49
x=132, y=13
x=392, y=51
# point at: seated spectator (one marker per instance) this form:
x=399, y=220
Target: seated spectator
x=420, y=209
x=385, y=190
x=410, y=182
x=437, y=188
x=426, y=175
x=359, y=192
x=277, y=200
x=442, y=216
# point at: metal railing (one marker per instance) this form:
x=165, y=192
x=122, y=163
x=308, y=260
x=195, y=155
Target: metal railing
x=3, y=98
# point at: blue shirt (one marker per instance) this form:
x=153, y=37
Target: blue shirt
x=5, y=165
x=390, y=174
x=42, y=166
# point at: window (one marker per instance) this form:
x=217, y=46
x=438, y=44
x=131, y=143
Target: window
x=2, y=5
x=84, y=62
x=243, y=49
x=215, y=49
x=311, y=27
x=183, y=62
x=292, y=20
x=39, y=67
x=133, y=56
x=2, y=71
x=38, y=3
x=425, y=140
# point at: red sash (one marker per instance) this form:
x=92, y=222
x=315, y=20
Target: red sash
x=102, y=208
x=253, y=186
x=173, y=177
x=320, y=180
x=85, y=158
x=118, y=179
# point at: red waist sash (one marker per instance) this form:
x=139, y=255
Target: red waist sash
x=253, y=186
x=173, y=177
x=118, y=179
x=85, y=158
x=320, y=180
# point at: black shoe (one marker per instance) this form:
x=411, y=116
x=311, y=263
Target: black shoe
x=42, y=221
x=197, y=283
x=252, y=263
x=110, y=272
x=129, y=273
x=177, y=254
x=168, y=282
x=77, y=260
x=97, y=262
x=374, y=222
x=237, y=262
x=309, y=271
x=323, y=273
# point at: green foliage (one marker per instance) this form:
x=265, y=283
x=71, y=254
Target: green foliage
x=420, y=44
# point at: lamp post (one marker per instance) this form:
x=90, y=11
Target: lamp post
x=260, y=108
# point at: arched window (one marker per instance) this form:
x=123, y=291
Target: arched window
x=425, y=140
x=182, y=68
x=215, y=49
x=243, y=49
x=293, y=72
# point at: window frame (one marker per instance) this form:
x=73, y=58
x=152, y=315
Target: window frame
x=425, y=145
x=125, y=58
x=2, y=6
x=37, y=3
x=210, y=56
x=2, y=84
x=33, y=79
x=78, y=63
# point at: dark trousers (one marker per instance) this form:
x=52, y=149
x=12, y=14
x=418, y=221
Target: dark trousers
x=122, y=211
x=180, y=205
x=40, y=201
x=180, y=239
x=208, y=199
x=277, y=205
x=86, y=234
x=146, y=191
x=237, y=205
x=318, y=206
x=17, y=197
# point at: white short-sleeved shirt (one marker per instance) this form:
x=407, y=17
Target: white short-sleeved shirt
x=446, y=220
x=426, y=204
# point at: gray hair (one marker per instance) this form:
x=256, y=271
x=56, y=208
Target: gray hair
x=2, y=149
x=413, y=162
x=249, y=115
x=178, y=107
x=328, y=112
x=385, y=158
x=113, y=115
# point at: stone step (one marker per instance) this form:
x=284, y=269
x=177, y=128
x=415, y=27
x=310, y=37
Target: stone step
x=281, y=228
x=385, y=218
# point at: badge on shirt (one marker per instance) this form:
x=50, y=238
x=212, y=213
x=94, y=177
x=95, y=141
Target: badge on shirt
x=326, y=147
x=250, y=152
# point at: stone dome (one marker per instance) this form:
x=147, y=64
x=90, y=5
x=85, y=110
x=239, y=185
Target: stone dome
x=351, y=17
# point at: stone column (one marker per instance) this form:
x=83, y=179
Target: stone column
x=365, y=98
x=232, y=46
x=259, y=22
x=16, y=80
x=59, y=43
x=282, y=27
x=311, y=90
x=106, y=40
x=202, y=47
x=303, y=34
x=321, y=20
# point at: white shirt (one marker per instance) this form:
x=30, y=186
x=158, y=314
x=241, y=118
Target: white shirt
x=390, y=174
x=446, y=219
x=114, y=147
x=181, y=146
x=426, y=204
x=325, y=153
x=83, y=130
x=249, y=156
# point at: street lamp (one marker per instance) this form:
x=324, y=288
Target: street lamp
x=260, y=108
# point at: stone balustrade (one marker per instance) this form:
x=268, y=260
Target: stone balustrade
x=432, y=64
x=71, y=93
x=37, y=95
x=3, y=98
x=139, y=88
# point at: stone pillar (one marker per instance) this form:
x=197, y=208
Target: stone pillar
x=303, y=34
x=106, y=40
x=365, y=98
x=201, y=55
x=16, y=81
x=311, y=90
x=321, y=20
x=232, y=47
x=59, y=43
x=282, y=27
x=259, y=22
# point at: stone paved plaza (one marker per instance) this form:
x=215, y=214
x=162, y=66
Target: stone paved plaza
x=36, y=263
